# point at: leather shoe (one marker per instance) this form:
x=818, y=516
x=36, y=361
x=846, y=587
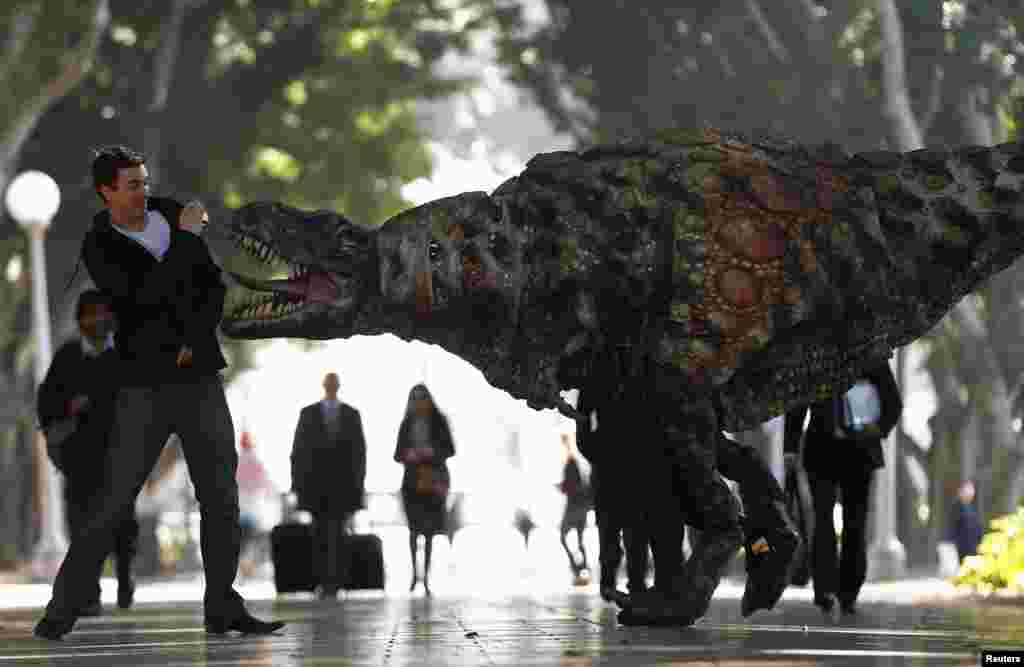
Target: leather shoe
x=245, y=624
x=828, y=604
x=92, y=609
x=610, y=593
x=125, y=596
x=54, y=627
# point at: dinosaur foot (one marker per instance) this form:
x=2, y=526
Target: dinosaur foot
x=769, y=567
x=655, y=608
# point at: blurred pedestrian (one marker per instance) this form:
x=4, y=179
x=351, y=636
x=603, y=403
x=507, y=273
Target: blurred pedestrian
x=76, y=411
x=254, y=491
x=424, y=445
x=965, y=528
x=329, y=478
x=842, y=448
x=167, y=293
x=524, y=524
x=574, y=515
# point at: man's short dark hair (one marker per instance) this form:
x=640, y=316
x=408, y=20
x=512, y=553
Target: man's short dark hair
x=108, y=160
x=90, y=297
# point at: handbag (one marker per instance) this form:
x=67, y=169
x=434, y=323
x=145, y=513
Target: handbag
x=798, y=505
x=428, y=482
x=56, y=433
x=424, y=479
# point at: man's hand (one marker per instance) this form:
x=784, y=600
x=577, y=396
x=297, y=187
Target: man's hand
x=185, y=357
x=77, y=404
x=194, y=218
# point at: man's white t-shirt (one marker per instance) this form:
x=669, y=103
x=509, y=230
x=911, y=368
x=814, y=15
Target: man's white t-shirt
x=155, y=237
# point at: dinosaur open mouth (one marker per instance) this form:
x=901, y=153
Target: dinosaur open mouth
x=276, y=298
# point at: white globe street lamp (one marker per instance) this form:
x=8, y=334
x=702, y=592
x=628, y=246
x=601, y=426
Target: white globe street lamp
x=32, y=200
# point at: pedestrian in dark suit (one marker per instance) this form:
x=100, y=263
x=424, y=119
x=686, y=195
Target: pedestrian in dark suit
x=841, y=467
x=76, y=401
x=424, y=447
x=618, y=510
x=329, y=476
x=148, y=256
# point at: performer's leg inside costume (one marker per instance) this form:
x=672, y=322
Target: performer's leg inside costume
x=770, y=539
x=691, y=432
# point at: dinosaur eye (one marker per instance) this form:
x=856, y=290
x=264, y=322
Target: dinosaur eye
x=499, y=246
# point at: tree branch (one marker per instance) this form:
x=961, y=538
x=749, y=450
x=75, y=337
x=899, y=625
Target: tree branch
x=21, y=27
x=771, y=38
x=76, y=63
x=934, y=103
x=903, y=128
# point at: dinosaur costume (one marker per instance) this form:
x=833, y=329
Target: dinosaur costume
x=754, y=274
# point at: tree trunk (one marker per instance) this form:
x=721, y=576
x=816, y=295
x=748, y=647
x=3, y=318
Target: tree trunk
x=73, y=65
x=904, y=131
x=163, y=68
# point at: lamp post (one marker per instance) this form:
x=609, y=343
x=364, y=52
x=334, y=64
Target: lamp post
x=32, y=200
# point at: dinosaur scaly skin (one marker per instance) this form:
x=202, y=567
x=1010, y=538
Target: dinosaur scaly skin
x=763, y=273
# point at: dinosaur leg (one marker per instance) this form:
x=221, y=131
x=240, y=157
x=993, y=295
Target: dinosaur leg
x=691, y=439
x=770, y=538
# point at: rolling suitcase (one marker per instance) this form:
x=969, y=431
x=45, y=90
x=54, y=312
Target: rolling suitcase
x=291, y=549
x=366, y=562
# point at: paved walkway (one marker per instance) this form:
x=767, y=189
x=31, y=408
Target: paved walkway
x=907, y=622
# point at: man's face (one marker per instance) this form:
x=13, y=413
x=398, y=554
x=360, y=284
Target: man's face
x=96, y=321
x=127, y=199
x=331, y=384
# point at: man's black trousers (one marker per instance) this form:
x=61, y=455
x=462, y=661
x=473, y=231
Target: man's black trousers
x=840, y=573
x=126, y=534
x=144, y=417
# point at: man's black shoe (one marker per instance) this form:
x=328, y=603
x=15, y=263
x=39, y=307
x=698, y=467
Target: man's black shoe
x=246, y=624
x=828, y=604
x=769, y=568
x=848, y=608
x=92, y=609
x=610, y=593
x=54, y=627
x=125, y=596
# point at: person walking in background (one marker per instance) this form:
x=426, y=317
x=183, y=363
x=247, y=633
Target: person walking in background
x=76, y=411
x=254, y=490
x=965, y=528
x=168, y=296
x=524, y=525
x=574, y=516
x=617, y=508
x=842, y=448
x=329, y=478
x=424, y=445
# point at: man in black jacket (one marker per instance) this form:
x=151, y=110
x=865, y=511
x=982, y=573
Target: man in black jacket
x=329, y=478
x=613, y=477
x=168, y=297
x=836, y=464
x=76, y=400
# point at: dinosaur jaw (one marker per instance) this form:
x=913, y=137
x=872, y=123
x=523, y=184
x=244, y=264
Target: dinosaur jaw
x=309, y=301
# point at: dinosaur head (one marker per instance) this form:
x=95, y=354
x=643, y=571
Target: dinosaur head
x=325, y=266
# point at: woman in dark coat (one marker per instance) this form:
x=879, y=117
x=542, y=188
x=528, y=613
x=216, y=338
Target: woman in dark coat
x=424, y=444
